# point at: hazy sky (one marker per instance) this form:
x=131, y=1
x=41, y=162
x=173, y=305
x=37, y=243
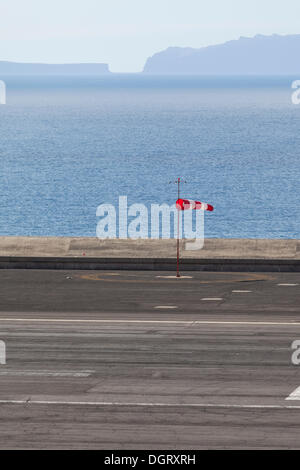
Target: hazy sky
x=125, y=32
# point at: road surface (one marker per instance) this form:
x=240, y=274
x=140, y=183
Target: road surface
x=141, y=360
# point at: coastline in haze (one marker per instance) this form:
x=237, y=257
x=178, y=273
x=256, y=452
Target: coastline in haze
x=15, y=68
x=261, y=55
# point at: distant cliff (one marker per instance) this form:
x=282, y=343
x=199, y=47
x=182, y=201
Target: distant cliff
x=261, y=55
x=14, y=68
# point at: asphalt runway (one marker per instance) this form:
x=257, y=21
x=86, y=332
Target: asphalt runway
x=142, y=360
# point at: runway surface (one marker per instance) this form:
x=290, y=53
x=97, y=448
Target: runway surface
x=142, y=360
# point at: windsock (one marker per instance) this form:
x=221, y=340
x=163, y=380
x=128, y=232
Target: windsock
x=187, y=204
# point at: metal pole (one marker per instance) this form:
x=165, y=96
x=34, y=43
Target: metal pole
x=178, y=273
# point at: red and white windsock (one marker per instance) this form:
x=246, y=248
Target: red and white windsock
x=187, y=204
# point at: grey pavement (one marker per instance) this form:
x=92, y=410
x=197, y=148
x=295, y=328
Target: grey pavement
x=141, y=360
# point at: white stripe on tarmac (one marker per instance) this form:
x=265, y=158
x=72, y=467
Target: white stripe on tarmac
x=167, y=405
x=166, y=322
x=295, y=395
x=175, y=277
x=44, y=373
x=242, y=291
x=166, y=306
x=288, y=285
x=213, y=299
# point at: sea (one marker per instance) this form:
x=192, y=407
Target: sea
x=70, y=144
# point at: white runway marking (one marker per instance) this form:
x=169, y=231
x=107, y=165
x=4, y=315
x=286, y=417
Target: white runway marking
x=295, y=395
x=168, y=405
x=45, y=373
x=166, y=306
x=175, y=277
x=213, y=299
x=288, y=285
x=242, y=291
x=157, y=322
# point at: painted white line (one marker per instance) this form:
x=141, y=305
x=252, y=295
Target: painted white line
x=288, y=285
x=295, y=395
x=213, y=299
x=168, y=405
x=175, y=277
x=242, y=291
x=157, y=322
x=44, y=373
x=166, y=306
